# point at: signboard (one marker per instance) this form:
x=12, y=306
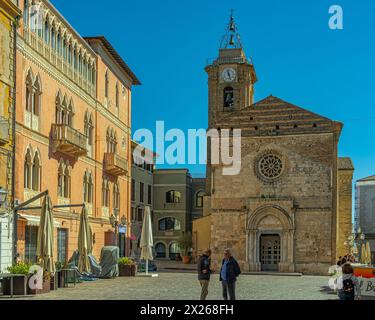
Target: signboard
x=122, y=229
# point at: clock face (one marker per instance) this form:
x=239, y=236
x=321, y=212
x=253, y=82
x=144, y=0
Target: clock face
x=229, y=74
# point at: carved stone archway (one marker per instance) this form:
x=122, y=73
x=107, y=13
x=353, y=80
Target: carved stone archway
x=270, y=220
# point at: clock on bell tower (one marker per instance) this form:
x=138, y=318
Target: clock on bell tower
x=231, y=77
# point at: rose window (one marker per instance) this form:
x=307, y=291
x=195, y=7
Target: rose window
x=270, y=166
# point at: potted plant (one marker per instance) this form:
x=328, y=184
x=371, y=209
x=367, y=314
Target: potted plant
x=127, y=267
x=185, y=242
x=21, y=268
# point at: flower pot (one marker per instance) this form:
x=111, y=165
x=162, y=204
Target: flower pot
x=185, y=259
x=18, y=285
x=127, y=270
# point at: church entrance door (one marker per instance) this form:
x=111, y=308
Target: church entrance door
x=270, y=252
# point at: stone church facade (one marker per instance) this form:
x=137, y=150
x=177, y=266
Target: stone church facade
x=289, y=208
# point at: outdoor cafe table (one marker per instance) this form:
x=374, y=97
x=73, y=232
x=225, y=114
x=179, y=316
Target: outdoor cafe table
x=12, y=276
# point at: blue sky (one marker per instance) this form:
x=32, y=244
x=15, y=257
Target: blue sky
x=296, y=56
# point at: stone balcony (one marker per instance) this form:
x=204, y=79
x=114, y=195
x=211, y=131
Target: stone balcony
x=115, y=164
x=67, y=140
x=4, y=131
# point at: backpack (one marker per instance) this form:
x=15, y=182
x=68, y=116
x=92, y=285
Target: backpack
x=348, y=286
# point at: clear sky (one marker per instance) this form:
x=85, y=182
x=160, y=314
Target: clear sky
x=296, y=55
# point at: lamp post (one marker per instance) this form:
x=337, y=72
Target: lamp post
x=115, y=223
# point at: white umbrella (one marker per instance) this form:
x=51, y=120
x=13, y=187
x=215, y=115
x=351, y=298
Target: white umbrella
x=147, y=242
x=44, y=249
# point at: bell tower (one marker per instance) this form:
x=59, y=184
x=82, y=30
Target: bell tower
x=231, y=77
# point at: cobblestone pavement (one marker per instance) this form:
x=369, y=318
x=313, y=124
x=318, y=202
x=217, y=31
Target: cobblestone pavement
x=185, y=286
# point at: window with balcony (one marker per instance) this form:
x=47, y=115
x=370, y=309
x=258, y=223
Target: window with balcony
x=169, y=224
x=173, y=196
x=64, y=110
x=64, y=178
x=111, y=141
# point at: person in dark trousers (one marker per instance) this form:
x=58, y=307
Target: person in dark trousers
x=229, y=272
x=349, y=286
x=204, y=272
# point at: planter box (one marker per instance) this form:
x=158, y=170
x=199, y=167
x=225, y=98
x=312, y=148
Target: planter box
x=127, y=270
x=18, y=285
x=54, y=282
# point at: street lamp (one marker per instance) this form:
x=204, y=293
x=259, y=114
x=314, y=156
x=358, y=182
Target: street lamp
x=3, y=196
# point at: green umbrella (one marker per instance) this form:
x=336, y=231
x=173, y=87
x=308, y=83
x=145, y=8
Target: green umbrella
x=84, y=242
x=44, y=248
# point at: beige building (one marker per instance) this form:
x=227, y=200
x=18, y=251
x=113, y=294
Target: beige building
x=289, y=207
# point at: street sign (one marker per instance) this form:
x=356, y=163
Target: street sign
x=122, y=229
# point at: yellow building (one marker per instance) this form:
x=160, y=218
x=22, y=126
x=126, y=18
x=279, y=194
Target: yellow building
x=9, y=14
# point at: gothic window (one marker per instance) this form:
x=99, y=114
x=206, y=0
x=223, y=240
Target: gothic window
x=228, y=97
x=117, y=96
x=63, y=182
x=111, y=141
x=105, y=192
x=53, y=38
x=173, y=196
x=199, y=199
x=26, y=12
x=37, y=97
x=116, y=196
x=29, y=90
x=88, y=188
x=64, y=110
x=60, y=180
x=106, y=84
x=36, y=172
x=27, y=170
x=58, y=44
x=46, y=31
x=89, y=130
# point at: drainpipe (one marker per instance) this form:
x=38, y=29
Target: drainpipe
x=14, y=253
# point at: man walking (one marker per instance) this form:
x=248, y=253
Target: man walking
x=204, y=272
x=229, y=272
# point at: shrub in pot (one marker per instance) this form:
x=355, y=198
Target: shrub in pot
x=21, y=268
x=127, y=267
x=185, y=242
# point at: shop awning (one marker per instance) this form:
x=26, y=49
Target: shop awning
x=35, y=220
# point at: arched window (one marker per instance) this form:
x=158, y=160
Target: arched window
x=88, y=187
x=46, y=31
x=199, y=199
x=160, y=250
x=58, y=44
x=67, y=182
x=169, y=224
x=36, y=172
x=173, y=196
x=111, y=141
x=105, y=192
x=53, y=43
x=63, y=183
x=29, y=91
x=174, y=250
x=117, y=96
x=93, y=75
x=106, y=84
x=228, y=97
x=26, y=12
x=89, y=131
x=116, y=196
x=37, y=97
x=27, y=170
x=64, y=110
x=75, y=59
x=60, y=180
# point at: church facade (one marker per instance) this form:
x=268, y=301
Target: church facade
x=289, y=208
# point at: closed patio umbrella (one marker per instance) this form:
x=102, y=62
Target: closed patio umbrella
x=44, y=248
x=146, y=242
x=84, y=242
x=368, y=253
